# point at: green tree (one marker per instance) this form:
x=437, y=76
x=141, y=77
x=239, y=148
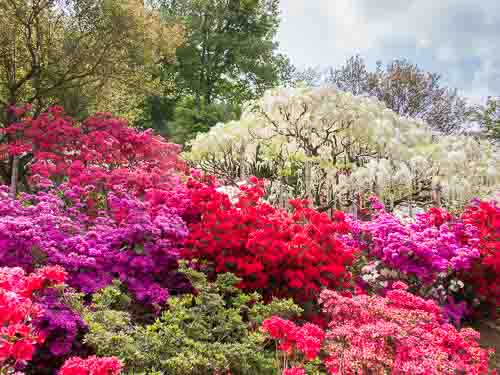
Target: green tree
x=189, y=120
x=85, y=54
x=488, y=116
x=230, y=53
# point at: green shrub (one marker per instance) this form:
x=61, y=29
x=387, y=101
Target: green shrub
x=212, y=332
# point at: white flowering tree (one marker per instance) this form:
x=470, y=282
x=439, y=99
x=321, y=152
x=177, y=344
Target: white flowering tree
x=330, y=146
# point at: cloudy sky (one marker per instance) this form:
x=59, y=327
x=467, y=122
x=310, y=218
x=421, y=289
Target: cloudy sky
x=458, y=38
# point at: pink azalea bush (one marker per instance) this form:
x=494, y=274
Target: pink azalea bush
x=396, y=334
x=400, y=333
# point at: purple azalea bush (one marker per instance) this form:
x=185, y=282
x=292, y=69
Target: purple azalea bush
x=96, y=238
x=430, y=253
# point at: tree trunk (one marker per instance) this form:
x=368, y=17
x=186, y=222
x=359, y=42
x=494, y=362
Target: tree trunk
x=354, y=207
x=242, y=161
x=307, y=180
x=14, y=176
x=436, y=196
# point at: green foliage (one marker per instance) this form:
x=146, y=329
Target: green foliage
x=86, y=55
x=488, y=117
x=215, y=330
x=188, y=120
x=229, y=52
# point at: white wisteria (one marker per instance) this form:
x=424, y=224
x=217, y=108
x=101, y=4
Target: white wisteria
x=330, y=146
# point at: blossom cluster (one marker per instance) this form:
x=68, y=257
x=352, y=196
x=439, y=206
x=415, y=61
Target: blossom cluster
x=91, y=366
x=400, y=333
x=323, y=141
x=18, y=311
x=432, y=253
x=101, y=151
x=433, y=244
x=485, y=276
x=306, y=339
x=130, y=239
x=272, y=251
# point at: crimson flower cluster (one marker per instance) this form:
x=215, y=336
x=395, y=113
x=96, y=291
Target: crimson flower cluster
x=272, y=251
x=485, y=276
x=306, y=339
x=102, y=151
x=19, y=309
x=92, y=366
x=294, y=371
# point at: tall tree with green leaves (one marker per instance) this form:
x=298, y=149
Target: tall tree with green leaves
x=83, y=54
x=488, y=117
x=230, y=53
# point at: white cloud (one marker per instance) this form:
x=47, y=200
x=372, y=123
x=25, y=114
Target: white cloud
x=458, y=38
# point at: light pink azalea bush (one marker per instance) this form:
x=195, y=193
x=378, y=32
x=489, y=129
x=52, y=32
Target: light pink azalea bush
x=396, y=334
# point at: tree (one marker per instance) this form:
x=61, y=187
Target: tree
x=88, y=54
x=328, y=146
x=488, y=117
x=352, y=77
x=188, y=121
x=153, y=42
x=229, y=54
x=62, y=50
x=406, y=89
x=310, y=76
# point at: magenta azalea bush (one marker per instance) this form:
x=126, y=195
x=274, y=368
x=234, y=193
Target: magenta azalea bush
x=135, y=241
x=432, y=253
x=130, y=239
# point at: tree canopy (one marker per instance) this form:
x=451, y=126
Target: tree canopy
x=84, y=54
x=230, y=52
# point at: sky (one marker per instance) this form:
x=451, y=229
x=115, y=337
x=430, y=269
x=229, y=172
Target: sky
x=460, y=39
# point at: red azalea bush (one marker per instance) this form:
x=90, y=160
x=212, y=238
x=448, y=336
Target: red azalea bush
x=18, y=310
x=92, y=366
x=274, y=252
x=486, y=274
x=398, y=334
x=294, y=371
x=102, y=150
x=300, y=344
